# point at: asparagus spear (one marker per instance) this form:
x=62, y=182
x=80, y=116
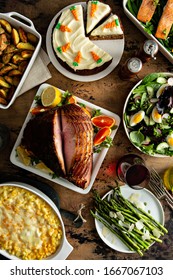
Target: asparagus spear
x=133, y=238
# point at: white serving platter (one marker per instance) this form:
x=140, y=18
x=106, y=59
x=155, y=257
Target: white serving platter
x=162, y=49
x=97, y=157
x=153, y=205
x=114, y=47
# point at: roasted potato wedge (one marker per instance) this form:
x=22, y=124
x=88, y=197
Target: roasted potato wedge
x=22, y=35
x=26, y=54
x=4, y=70
x=11, y=91
x=3, y=93
x=5, y=24
x=17, y=58
x=9, y=79
x=3, y=83
x=32, y=38
x=23, y=65
x=15, y=36
x=14, y=66
x=1, y=65
x=6, y=58
x=16, y=80
x=3, y=101
x=3, y=42
x=2, y=30
x=14, y=72
x=25, y=46
x=11, y=49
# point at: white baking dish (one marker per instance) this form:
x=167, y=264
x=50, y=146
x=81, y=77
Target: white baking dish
x=162, y=49
x=65, y=248
x=17, y=20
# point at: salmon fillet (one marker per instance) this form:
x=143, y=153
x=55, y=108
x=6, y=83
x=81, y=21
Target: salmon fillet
x=165, y=22
x=146, y=10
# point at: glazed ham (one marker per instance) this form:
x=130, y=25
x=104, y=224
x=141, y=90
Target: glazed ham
x=63, y=139
x=42, y=137
x=78, y=163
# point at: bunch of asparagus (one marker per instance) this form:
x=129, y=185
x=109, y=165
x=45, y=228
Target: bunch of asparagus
x=122, y=218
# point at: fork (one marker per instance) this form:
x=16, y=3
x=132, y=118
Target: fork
x=157, y=186
x=159, y=193
x=155, y=178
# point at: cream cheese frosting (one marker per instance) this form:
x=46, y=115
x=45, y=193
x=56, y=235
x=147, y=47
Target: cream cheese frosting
x=96, y=11
x=72, y=46
x=110, y=27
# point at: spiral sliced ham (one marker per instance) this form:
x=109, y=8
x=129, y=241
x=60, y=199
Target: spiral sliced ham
x=63, y=139
x=80, y=167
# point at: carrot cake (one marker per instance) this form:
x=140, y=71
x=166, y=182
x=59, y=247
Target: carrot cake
x=74, y=50
x=110, y=29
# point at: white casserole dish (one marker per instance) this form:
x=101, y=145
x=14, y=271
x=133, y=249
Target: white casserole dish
x=65, y=248
x=17, y=20
x=162, y=49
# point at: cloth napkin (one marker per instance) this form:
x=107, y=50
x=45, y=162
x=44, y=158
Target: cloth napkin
x=38, y=74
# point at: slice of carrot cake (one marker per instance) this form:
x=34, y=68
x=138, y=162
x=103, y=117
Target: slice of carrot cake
x=96, y=11
x=110, y=29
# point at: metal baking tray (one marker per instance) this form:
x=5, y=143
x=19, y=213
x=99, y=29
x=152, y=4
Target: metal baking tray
x=17, y=20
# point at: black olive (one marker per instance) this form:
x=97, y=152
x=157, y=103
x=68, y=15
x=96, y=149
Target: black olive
x=165, y=102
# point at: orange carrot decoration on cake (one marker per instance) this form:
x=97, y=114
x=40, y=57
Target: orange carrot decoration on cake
x=96, y=57
x=112, y=24
x=77, y=59
x=74, y=12
x=94, y=7
x=64, y=48
x=62, y=27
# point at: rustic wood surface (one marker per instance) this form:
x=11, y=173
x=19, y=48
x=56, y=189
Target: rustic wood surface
x=109, y=93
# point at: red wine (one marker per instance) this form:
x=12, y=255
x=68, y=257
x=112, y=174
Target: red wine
x=131, y=170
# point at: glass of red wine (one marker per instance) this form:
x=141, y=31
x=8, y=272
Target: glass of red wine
x=131, y=169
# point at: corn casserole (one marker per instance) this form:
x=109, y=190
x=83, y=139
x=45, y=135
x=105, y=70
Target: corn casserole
x=29, y=227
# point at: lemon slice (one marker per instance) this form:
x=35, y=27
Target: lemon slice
x=23, y=155
x=168, y=179
x=41, y=166
x=50, y=97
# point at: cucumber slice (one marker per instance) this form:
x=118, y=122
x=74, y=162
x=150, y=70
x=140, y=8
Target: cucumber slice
x=152, y=122
x=147, y=120
x=162, y=146
x=150, y=91
x=137, y=95
x=161, y=80
x=150, y=108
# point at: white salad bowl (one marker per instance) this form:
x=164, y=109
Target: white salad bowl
x=127, y=130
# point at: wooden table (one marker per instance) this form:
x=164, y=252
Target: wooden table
x=109, y=93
